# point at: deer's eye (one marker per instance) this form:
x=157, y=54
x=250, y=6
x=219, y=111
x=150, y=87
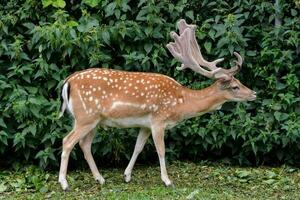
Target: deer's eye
x=235, y=88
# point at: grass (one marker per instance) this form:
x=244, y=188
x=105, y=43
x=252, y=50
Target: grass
x=191, y=181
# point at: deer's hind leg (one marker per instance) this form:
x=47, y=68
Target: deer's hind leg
x=85, y=144
x=79, y=132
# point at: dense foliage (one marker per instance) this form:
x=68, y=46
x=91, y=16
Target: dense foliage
x=42, y=42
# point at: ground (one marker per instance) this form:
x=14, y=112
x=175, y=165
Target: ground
x=203, y=180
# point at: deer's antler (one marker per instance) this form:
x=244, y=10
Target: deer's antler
x=186, y=50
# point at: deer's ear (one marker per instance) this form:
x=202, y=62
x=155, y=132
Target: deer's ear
x=225, y=83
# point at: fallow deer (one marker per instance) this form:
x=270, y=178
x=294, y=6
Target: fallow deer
x=153, y=102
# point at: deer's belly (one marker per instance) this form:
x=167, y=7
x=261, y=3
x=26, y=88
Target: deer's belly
x=143, y=121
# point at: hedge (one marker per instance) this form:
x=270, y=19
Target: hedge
x=42, y=42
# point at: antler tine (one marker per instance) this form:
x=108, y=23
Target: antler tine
x=238, y=64
x=182, y=25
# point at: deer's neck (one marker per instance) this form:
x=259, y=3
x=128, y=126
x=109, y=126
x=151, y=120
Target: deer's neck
x=198, y=102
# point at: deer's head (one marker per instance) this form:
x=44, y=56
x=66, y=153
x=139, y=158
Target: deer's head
x=234, y=90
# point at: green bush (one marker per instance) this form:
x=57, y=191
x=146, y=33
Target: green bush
x=42, y=42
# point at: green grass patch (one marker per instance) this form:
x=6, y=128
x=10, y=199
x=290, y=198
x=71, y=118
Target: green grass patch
x=191, y=181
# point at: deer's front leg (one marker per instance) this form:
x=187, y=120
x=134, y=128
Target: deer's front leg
x=158, y=138
x=140, y=143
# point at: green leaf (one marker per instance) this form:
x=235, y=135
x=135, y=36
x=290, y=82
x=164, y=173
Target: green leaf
x=270, y=181
x=148, y=30
x=221, y=30
x=54, y=3
x=44, y=189
x=46, y=3
x=2, y=123
x=207, y=46
x=280, y=116
x=148, y=47
x=92, y=23
x=72, y=23
x=251, y=53
x=222, y=42
x=280, y=86
x=91, y=3
x=106, y=37
x=59, y=3
x=82, y=28
x=109, y=10
x=254, y=147
x=3, y=187
x=117, y=13
x=141, y=2
x=73, y=34
x=3, y=137
x=243, y=174
x=141, y=15
x=294, y=12
x=157, y=33
x=277, y=115
x=211, y=34
x=32, y=129
x=190, y=14
x=29, y=25
x=271, y=174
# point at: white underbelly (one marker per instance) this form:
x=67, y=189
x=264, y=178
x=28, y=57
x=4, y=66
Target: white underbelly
x=143, y=121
